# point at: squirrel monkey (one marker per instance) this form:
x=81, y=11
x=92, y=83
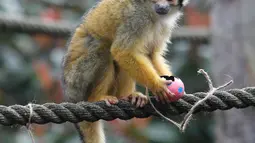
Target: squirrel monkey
x=118, y=44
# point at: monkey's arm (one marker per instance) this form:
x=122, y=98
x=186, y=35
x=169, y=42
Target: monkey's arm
x=161, y=64
x=138, y=66
x=129, y=56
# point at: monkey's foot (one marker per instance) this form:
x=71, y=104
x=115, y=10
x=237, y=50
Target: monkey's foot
x=110, y=100
x=138, y=99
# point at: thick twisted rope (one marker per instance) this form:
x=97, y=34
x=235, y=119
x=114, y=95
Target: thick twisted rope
x=70, y=112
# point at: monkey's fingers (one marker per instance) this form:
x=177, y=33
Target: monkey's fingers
x=165, y=96
x=160, y=96
x=156, y=95
x=110, y=100
x=167, y=82
x=138, y=99
x=107, y=103
x=133, y=99
x=167, y=91
x=171, y=94
x=144, y=101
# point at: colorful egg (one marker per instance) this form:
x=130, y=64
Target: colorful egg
x=177, y=88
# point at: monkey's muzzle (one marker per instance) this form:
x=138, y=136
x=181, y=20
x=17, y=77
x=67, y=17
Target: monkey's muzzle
x=162, y=9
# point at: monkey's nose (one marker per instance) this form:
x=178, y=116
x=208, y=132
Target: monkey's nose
x=162, y=9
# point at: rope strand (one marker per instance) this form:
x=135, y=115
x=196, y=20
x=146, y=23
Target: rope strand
x=124, y=110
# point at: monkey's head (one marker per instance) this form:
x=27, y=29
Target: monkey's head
x=166, y=7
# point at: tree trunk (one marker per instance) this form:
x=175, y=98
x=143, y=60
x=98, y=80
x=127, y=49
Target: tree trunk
x=233, y=43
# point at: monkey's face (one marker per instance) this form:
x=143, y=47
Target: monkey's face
x=166, y=7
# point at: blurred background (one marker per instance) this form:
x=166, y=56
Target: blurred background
x=216, y=35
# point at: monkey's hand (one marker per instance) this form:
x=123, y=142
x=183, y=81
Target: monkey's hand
x=109, y=99
x=138, y=99
x=162, y=93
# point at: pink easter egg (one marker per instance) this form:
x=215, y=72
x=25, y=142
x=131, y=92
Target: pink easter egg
x=176, y=87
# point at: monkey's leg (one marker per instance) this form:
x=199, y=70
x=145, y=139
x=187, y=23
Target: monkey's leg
x=126, y=88
x=93, y=132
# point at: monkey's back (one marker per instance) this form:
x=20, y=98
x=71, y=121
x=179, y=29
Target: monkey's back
x=88, y=56
x=103, y=20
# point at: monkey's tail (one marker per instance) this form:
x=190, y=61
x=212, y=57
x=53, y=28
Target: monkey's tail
x=91, y=132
